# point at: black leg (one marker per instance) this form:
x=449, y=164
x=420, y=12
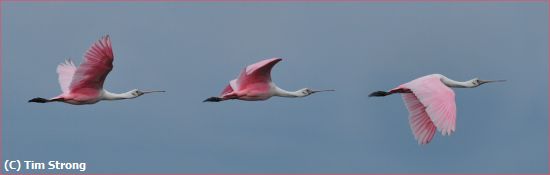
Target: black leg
x=39, y=100
x=213, y=99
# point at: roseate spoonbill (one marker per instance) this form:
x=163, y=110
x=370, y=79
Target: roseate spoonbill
x=431, y=103
x=84, y=85
x=254, y=84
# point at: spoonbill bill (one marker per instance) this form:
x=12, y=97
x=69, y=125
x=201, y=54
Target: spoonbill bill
x=84, y=84
x=431, y=103
x=254, y=84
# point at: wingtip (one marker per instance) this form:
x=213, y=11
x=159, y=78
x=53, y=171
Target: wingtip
x=277, y=59
x=105, y=37
x=423, y=142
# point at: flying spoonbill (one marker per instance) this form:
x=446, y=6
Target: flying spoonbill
x=254, y=84
x=431, y=103
x=84, y=84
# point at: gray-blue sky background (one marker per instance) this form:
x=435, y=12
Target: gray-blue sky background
x=192, y=50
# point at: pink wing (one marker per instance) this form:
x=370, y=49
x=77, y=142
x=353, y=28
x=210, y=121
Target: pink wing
x=268, y=63
x=98, y=62
x=438, y=103
x=228, y=89
x=257, y=74
x=66, y=71
x=421, y=124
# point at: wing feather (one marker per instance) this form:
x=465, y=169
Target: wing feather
x=421, y=125
x=438, y=101
x=228, y=89
x=92, y=72
x=65, y=73
x=257, y=73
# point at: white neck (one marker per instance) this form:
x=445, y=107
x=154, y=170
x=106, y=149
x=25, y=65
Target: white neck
x=457, y=84
x=284, y=93
x=114, y=96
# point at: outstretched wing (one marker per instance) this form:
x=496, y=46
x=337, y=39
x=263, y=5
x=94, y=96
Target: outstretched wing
x=65, y=73
x=98, y=62
x=229, y=88
x=437, y=100
x=421, y=124
x=257, y=73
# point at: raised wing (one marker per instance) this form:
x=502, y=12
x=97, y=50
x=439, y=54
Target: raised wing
x=65, y=73
x=98, y=62
x=228, y=89
x=259, y=72
x=438, y=101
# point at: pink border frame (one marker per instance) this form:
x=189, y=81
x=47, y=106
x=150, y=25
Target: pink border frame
x=274, y=1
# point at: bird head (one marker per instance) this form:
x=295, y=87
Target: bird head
x=136, y=92
x=477, y=82
x=306, y=91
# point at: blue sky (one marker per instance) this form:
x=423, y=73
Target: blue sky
x=192, y=50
